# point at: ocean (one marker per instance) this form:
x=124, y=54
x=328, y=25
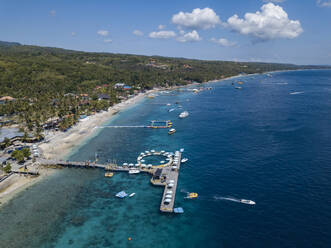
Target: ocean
x=269, y=142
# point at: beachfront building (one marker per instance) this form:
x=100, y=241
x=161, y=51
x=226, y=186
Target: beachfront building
x=103, y=97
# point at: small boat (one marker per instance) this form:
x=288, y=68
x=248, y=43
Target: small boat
x=183, y=114
x=132, y=194
x=191, y=195
x=184, y=160
x=238, y=88
x=240, y=82
x=121, y=194
x=168, y=104
x=179, y=210
x=249, y=202
x=134, y=171
x=109, y=174
x=170, y=110
x=296, y=93
x=162, y=162
x=172, y=131
x=181, y=150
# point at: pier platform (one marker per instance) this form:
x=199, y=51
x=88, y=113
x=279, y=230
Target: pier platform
x=165, y=175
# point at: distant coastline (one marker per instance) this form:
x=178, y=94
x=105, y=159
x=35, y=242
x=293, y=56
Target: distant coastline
x=61, y=144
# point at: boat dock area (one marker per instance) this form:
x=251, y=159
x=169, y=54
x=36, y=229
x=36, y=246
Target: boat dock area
x=170, y=178
x=165, y=175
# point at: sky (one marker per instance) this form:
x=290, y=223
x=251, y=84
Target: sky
x=281, y=31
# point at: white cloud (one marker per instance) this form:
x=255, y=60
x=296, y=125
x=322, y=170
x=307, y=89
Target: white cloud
x=163, y=34
x=52, y=12
x=138, y=32
x=189, y=36
x=103, y=32
x=325, y=3
x=108, y=41
x=275, y=1
x=198, y=19
x=271, y=23
x=160, y=27
x=223, y=42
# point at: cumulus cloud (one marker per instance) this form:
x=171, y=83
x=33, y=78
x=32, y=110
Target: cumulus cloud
x=271, y=22
x=108, y=41
x=138, y=32
x=103, y=32
x=189, y=36
x=160, y=27
x=324, y=3
x=163, y=34
x=275, y=1
x=52, y=12
x=223, y=42
x=198, y=19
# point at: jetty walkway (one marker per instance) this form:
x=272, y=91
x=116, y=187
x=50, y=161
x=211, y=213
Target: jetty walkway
x=165, y=175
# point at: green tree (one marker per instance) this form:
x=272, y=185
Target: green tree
x=7, y=168
x=26, y=152
x=6, y=142
x=18, y=155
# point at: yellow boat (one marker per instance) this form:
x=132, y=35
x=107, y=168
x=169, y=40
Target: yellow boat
x=192, y=195
x=109, y=174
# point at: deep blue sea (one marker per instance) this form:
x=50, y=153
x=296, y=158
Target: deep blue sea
x=260, y=143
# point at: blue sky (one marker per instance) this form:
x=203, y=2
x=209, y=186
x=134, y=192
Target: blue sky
x=289, y=31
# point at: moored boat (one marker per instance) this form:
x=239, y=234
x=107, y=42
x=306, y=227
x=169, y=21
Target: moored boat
x=132, y=194
x=172, y=131
x=134, y=171
x=183, y=114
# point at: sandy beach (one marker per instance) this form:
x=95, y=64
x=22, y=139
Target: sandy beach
x=15, y=184
x=60, y=144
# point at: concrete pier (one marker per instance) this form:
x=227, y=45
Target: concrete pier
x=162, y=175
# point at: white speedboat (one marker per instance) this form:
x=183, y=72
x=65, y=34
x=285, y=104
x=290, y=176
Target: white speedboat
x=183, y=114
x=184, y=160
x=172, y=131
x=181, y=150
x=170, y=110
x=249, y=202
x=132, y=194
x=134, y=171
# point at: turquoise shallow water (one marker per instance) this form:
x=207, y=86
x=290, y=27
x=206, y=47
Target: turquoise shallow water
x=260, y=143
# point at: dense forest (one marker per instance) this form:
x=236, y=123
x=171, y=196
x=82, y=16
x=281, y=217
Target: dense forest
x=45, y=82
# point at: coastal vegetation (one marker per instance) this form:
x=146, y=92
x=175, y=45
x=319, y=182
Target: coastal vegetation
x=43, y=87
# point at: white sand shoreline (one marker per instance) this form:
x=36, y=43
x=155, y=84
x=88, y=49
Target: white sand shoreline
x=61, y=144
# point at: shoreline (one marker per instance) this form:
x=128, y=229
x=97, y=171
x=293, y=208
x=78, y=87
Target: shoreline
x=61, y=144
x=16, y=184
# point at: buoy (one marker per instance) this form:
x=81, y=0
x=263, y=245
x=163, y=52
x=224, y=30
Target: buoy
x=129, y=238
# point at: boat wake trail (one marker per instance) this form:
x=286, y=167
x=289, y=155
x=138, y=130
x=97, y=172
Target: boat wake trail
x=219, y=198
x=243, y=201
